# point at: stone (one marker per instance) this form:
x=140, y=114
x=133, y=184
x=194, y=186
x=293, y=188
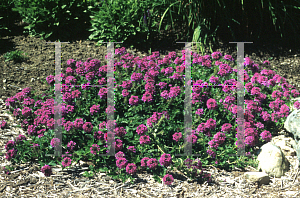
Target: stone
x=272, y=160
x=274, y=166
x=285, y=144
x=292, y=125
x=261, y=177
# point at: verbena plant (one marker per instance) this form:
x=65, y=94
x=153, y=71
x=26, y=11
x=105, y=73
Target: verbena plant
x=149, y=116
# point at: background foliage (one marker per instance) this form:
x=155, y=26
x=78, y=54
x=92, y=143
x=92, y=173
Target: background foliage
x=140, y=20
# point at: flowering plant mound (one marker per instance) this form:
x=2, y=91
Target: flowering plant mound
x=148, y=116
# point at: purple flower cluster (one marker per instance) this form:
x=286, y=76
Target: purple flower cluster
x=145, y=139
x=155, y=117
x=46, y=170
x=87, y=127
x=165, y=160
x=168, y=179
x=55, y=142
x=120, y=131
x=94, y=149
x=3, y=124
x=66, y=162
x=71, y=145
x=177, y=136
x=94, y=109
x=98, y=135
x=131, y=149
x=11, y=154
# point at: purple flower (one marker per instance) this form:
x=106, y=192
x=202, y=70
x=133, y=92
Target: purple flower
x=134, y=100
x=152, y=163
x=266, y=62
x=76, y=94
x=192, y=138
x=131, y=168
x=70, y=80
x=226, y=127
x=70, y=61
x=78, y=123
x=145, y=139
x=68, y=125
x=55, y=142
x=120, y=131
x=199, y=112
x=250, y=140
x=66, y=162
x=297, y=105
x=211, y=153
x=118, y=144
x=168, y=179
x=71, y=145
x=259, y=125
x=46, y=170
x=136, y=76
x=11, y=154
x=228, y=57
x=98, y=135
x=141, y=129
x=213, y=144
x=26, y=112
x=87, y=127
x=165, y=159
x=216, y=55
x=69, y=71
x=266, y=135
x=94, y=149
x=144, y=162
x=211, y=104
x=219, y=137
x=50, y=79
x=3, y=124
x=131, y=149
x=121, y=162
x=177, y=136
x=210, y=123
x=110, y=109
x=214, y=79
x=119, y=154
x=147, y=97
x=20, y=138
x=89, y=76
x=10, y=145
x=103, y=93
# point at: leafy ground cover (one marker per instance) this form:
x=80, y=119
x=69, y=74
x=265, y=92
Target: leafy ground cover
x=149, y=95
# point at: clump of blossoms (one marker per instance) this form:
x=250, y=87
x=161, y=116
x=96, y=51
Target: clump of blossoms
x=66, y=162
x=2, y=124
x=55, y=142
x=46, y=170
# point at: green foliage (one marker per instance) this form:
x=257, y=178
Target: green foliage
x=16, y=56
x=234, y=20
x=54, y=19
x=117, y=20
x=7, y=16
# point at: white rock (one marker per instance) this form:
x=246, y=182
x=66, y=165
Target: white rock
x=272, y=161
